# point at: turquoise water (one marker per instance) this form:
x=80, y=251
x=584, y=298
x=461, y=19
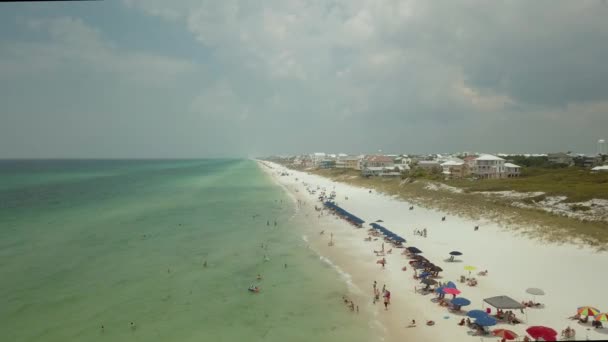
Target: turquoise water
x=90, y=243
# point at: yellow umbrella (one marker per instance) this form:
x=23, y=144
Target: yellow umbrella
x=470, y=268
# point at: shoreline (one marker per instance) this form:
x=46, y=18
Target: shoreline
x=486, y=250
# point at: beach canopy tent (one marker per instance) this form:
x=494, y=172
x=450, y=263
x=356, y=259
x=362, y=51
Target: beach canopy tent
x=344, y=213
x=414, y=250
x=504, y=303
x=387, y=232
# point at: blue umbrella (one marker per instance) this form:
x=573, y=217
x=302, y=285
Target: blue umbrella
x=485, y=321
x=455, y=253
x=451, y=285
x=477, y=314
x=424, y=274
x=439, y=289
x=460, y=301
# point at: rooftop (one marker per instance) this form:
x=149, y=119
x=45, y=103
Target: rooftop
x=488, y=157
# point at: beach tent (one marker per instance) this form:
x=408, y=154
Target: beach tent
x=414, y=250
x=504, y=303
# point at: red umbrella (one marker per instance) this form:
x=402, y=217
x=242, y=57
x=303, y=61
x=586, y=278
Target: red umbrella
x=545, y=333
x=504, y=333
x=451, y=291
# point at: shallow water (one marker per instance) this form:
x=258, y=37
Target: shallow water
x=91, y=243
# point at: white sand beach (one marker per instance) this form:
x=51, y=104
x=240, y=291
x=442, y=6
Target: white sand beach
x=570, y=276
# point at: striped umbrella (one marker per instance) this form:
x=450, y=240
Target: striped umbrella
x=504, y=333
x=587, y=311
x=601, y=317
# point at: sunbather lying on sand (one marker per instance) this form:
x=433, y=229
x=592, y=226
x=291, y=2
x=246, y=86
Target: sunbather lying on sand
x=412, y=324
x=483, y=273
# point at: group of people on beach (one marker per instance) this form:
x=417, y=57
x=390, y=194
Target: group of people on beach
x=386, y=295
x=350, y=304
x=420, y=232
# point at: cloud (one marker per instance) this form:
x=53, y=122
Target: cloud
x=397, y=74
x=73, y=44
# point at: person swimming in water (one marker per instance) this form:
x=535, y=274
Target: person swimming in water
x=259, y=277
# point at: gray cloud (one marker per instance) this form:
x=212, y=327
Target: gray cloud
x=348, y=75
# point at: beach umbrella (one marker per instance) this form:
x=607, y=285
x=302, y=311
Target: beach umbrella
x=504, y=333
x=461, y=301
x=476, y=314
x=455, y=253
x=419, y=265
x=439, y=289
x=470, y=268
x=535, y=292
x=451, y=291
x=545, y=333
x=429, y=281
x=451, y=285
x=437, y=269
x=379, y=221
x=414, y=250
x=587, y=311
x=601, y=317
x=485, y=321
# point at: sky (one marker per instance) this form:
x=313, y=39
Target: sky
x=243, y=78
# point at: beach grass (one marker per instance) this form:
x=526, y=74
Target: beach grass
x=534, y=222
x=577, y=184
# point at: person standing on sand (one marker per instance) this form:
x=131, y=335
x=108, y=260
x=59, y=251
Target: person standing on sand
x=375, y=284
x=385, y=303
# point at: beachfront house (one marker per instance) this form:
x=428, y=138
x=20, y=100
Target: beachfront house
x=378, y=161
x=488, y=166
x=512, y=170
x=347, y=162
x=587, y=161
x=317, y=157
x=455, y=169
x=560, y=159
x=470, y=161
x=429, y=165
x=327, y=164
x=381, y=171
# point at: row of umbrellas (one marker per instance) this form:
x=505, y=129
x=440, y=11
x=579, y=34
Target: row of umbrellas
x=344, y=213
x=387, y=233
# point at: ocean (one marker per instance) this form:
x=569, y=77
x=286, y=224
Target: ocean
x=92, y=243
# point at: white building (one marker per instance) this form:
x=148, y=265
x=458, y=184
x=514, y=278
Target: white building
x=489, y=166
x=512, y=170
x=317, y=157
